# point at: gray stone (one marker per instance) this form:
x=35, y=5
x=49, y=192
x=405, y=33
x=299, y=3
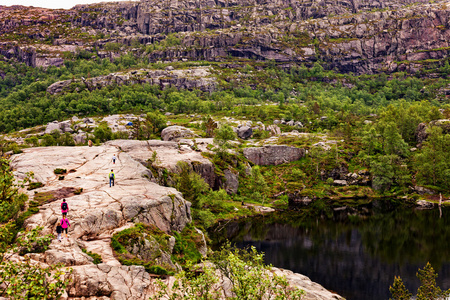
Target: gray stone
x=244, y=132
x=274, y=130
x=173, y=133
x=231, y=183
x=273, y=155
x=340, y=182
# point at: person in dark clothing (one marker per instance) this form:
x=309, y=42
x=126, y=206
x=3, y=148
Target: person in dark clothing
x=64, y=207
x=59, y=231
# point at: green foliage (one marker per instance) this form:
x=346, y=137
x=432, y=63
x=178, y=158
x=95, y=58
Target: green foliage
x=11, y=201
x=250, y=279
x=433, y=162
x=103, y=133
x=154, y=123
x=59, y=171
x=427, y=290
x=97, y=257
x=187, y=243
x=122, y=242
x=191, y=184
x=24, y=280
x=254, y=187
x=222, y=136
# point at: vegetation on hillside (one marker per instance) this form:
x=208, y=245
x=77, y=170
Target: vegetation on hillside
x=23, y=279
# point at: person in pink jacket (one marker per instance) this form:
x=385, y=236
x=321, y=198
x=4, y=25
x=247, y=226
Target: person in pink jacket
x=65, y=224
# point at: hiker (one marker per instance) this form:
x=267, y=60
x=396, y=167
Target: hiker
x=111, y=178
x=114, y=159
x=90, y=143
x=64, y=207
x=65, y=224
x=59, y=230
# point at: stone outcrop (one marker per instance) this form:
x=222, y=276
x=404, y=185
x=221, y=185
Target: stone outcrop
x=400, y=36
x=312, y=290
x=231, y=183
x=111, y=282
x=421, y=131
x=273, y=155
x=168, y=154
x=195, y=78
x=244, y=132
x=100, y=211
x=173, y=133
x=61, y=127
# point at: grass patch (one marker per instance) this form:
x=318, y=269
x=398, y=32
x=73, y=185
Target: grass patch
x=97, y=258
x=59, y=171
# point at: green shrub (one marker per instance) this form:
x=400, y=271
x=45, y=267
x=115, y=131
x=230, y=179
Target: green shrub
x=58, y=171
x=97, y=257
x=35, y=185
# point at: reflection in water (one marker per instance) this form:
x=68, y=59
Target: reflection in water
x=356, y=258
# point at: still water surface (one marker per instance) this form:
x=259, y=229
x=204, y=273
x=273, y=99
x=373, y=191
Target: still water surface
x=355, y=257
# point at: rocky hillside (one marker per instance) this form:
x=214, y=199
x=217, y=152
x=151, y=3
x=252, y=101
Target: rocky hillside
x=348, y=36
x=98, y=212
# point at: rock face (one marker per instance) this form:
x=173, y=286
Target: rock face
x=273, y=155
x=231, y=182
x=167, y=156
x=421, y=131
x=175, y=132
x=195, y=78
x=401, y=34
x=312, y=289
x=100, y=211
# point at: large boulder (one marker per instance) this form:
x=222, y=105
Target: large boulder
x=114, y=282
x=274, y=129
x=273, y=155
x=62, y=127
x=173, y=133
x=231, y=184
x=244, y=132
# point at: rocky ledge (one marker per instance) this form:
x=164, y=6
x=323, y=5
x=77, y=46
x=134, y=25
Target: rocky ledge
x=195, y=78
x=97, y=211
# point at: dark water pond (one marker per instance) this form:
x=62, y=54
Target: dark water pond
x=357, y=257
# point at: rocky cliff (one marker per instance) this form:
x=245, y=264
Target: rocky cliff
x=348, y=36
x=97, y=212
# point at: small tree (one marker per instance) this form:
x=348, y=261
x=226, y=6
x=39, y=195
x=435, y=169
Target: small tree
x=102, y=132
x=399, y=291
x=154, y=123
x=223, y=135
x=428, y=290
x=190, y=183
x=209, y=125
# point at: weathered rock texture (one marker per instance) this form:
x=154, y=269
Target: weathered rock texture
x=195, y=78
x=174, y=133
x=273, y=155
x=168, y=154
x=100, y=211
x=349, y=36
